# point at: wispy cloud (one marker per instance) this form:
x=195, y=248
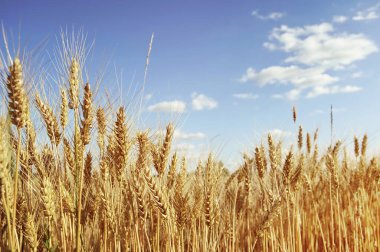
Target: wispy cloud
x=175, y=106
x=291, y=95
x=270, y=16
x=246, y=96
x=279, y=134
x=180, y=135
x=148, y=97
x=316, y=91
x=202, y=102
x=299, y=77
x=323, y=90
x=368, y=14
x=357, y=75
x=340, y=19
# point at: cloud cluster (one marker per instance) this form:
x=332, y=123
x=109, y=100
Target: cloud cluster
x=368, y=14
x=201, y=102
x=318, y=45
x=299, y=77
x=175, y=106
x=322, y=90
x=279, y=134
x=313, y=53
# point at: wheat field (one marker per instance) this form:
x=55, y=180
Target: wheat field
x=87, y=182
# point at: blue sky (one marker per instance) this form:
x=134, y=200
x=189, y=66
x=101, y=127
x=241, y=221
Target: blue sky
x=227, y=72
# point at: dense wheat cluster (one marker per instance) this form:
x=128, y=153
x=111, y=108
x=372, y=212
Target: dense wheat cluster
x=86, y=182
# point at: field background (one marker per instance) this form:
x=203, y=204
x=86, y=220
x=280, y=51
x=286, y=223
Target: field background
x=203, y=126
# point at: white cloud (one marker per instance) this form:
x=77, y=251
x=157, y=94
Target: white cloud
x=270, y=46
x=192, y=152
x=319, y=45
x=201, y=102
x=148, y=97
x=368, y=14
x=315, y=52
x=323, y=90
x=291, y=95
x=278, y=133
x=299, y=77
x=183, y=136
x=270, y=16
x=184, y=147
x=180, y=135
x=316, y=91
x=246, y=96
x=340, y=19
x=175, y=106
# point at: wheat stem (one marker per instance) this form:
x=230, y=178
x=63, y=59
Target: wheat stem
x=15, y=190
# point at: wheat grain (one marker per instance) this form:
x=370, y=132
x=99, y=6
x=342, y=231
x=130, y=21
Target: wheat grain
x=17, y=101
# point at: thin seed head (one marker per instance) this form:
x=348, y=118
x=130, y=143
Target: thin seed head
x=356, y=146
x=88, y=169
x=183, y=170
x=50, y=120
x=101, y=120
x=288, y=165
x=308, y=143
x=69, y=158
x=74, y=84
x=300, y=138
x=165, y=149
x=172, y=169
x=64, y=108
x=142, y=161
x=364, y=145
x=316, y=135
x=259, y=162
x=272, y=153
